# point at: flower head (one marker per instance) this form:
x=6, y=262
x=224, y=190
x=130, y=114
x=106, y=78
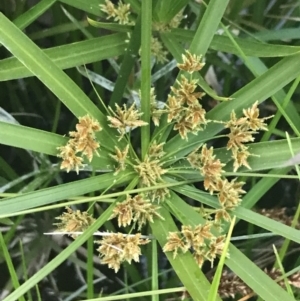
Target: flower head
x=117, y=248
x=190, y=62
x=74, y=221
x=119, y=13
x=82, y=141
x=125, y=119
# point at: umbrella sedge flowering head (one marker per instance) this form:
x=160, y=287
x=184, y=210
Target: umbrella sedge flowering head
x=120, y=157
x=191, y=62
x=157, y=50
x=137, y=209
x=82, y=142
x=241, y=131
x=74, y=221
x=116, y=248
x=199, y=239
x=211, y=168
x=120, y=13
x=183, y=107
x=125, y=119
x=150, y=170
x=184, y=112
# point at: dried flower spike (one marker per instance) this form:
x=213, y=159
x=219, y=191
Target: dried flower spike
x=74, y=221
x=150, y=171
x=190, y=62
x=83, y=140
x=117, y=248
x=136, y=209
x=119, y=13
x=174, y=244
x=241, y=131
x=70, y=160
x=125, y=119
x=120, y=157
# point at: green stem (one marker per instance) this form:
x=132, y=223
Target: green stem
x=146, y=72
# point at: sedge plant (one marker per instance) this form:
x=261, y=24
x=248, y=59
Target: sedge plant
x=164, y=170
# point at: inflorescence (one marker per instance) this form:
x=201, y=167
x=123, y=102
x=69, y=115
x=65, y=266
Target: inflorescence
x=185, y=113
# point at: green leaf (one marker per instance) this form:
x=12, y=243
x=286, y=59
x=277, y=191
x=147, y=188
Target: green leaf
x=146, y=29
x=218, y=274
x=91, y=6
x=290, y=113
x=208, y=26
x=263, y=186
x=54, y=78
x=6, y=221
x=127, y=64
x=9, y=263
x=69, y=55
x=255, y=278
x=63, y=191
x=249, y=47
x=278, y=34
x=31, y=139
x=267, y=155
x=40, y=65
x=167, y=9
x=110, y=26
x=33, y=13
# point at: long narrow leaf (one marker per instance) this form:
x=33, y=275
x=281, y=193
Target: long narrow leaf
x=69, y=55
x=251, y=48
x=63, y=191
x=54, y=78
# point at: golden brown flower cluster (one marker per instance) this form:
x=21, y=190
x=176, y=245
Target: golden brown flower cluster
x=241, y=131
x=125, y=119
x=183, y=105
x=120, y=157
x=74, y=221
x=117, y=248
x=135, y=209
x=228, y=192
x=156, y=109
x=200, y=239
x=150, y=170
x=82, y=141
x=191, y=62
x=120, y=13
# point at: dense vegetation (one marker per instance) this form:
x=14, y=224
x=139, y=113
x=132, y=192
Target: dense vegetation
x=149, y=150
